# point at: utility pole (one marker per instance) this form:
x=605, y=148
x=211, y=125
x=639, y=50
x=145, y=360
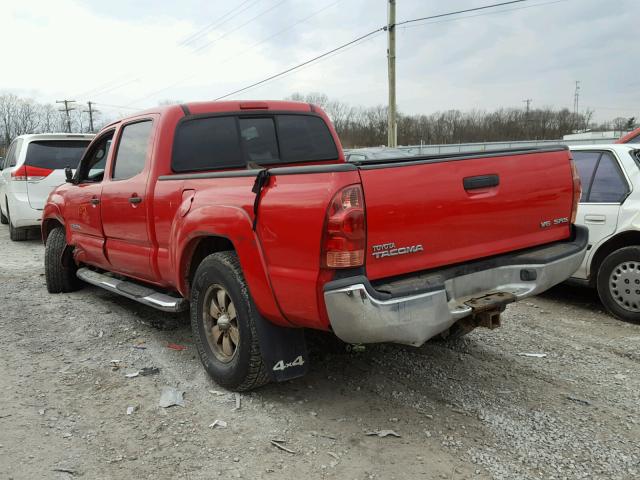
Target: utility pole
x=392, y=128
x=67, y=109
x=91, y=111
x=528, y=102
x=576, y=97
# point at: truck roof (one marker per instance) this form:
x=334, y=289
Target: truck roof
x=56, y=136
x=199, y=108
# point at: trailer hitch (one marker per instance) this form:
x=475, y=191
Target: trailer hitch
x=486, y=310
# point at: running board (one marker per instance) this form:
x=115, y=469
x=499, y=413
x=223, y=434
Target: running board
x=134, y=291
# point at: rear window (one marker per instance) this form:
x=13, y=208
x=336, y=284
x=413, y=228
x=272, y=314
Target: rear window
x=55, y=154
x=304, y=138
x=231, y=142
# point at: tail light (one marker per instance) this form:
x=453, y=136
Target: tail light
x=344, y=240
x=577, y=190
x=30, y=174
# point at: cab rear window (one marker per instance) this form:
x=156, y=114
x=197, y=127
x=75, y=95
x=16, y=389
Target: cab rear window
x=224, y=142
x=55, y=154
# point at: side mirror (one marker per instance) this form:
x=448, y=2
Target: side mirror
x=68, y=173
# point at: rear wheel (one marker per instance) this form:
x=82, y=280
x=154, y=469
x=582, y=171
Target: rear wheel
x=618, y=283
x=16, y=234
x=59, y=267
x=223, y=321
x=3, y=219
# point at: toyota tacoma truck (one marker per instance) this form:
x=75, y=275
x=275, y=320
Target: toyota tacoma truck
x=246, y=214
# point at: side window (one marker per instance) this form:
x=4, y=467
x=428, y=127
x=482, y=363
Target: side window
x=12, y=157
x=6, y=163
x=608, y=183
x=92, y=167
x=259, y=139
x=586, y=163
x=207, y=144
x=132, y=150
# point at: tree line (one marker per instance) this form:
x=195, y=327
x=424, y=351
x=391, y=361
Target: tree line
x=357, y=126
x=19, y=116
x=367, y=126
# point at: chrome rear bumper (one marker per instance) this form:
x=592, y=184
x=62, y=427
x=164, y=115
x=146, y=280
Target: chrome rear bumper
x=361, y=314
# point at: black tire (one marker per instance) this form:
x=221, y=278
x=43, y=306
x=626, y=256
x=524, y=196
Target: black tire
x=59, y=267
x=244, y=370
x=16, y=234
x=3, y=219
x=618, y=283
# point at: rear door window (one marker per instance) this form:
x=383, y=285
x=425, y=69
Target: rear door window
x=55, y=154
x=132, y=150
x=586, y=163
x=207, y=144
x=609, y=186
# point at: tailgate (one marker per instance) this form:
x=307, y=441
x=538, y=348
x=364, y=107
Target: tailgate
x=429, y=213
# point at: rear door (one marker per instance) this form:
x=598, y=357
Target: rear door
x=604, y=188
x=45, y=162
x=125, y=207
x=435, y=212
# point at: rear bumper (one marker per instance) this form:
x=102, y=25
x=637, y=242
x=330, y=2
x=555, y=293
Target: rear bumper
x=412, y=309
x=23, y=214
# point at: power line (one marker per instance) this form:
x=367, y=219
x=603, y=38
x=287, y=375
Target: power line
x=505, y=10
x=218, y=22
x=362, y=37
x=238, y=54
x=114, y=85
x=458, y=12
x=207, y=45
x=344, y=45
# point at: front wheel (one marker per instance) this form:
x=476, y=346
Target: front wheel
x=618, y=283
x=59, y=267
x=223, y=321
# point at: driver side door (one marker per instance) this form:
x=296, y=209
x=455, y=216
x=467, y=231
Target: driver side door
x=83, y=210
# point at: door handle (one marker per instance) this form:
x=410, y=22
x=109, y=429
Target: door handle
x=595, y=219
x=135, y=199
x=480, y=181
x=95, y=201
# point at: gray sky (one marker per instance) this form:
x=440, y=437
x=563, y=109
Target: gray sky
x=133, y=54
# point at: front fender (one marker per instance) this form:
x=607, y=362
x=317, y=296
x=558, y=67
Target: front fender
x=234, y=224
x=52, y=213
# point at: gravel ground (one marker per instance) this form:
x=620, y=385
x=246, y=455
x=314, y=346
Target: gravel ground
x=475, y=409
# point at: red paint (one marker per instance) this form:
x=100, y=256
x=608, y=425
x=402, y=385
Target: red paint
x=284, y=260
x=629, y=136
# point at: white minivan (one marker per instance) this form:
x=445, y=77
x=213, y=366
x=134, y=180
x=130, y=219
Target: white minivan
x=34, y=165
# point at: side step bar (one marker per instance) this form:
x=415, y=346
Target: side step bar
x=134, y=291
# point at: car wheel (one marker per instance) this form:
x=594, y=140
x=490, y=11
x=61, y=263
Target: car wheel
x=618, y=283
x=223, y=321
x=16, y=234
x=59, y=267
x=3, y=218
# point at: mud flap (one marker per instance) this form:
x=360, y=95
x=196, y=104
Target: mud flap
x=283, y=350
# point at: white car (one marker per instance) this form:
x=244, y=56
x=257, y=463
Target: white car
x=34, y=166
x=610, y=208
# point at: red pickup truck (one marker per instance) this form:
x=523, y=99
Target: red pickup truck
x=248, y=214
